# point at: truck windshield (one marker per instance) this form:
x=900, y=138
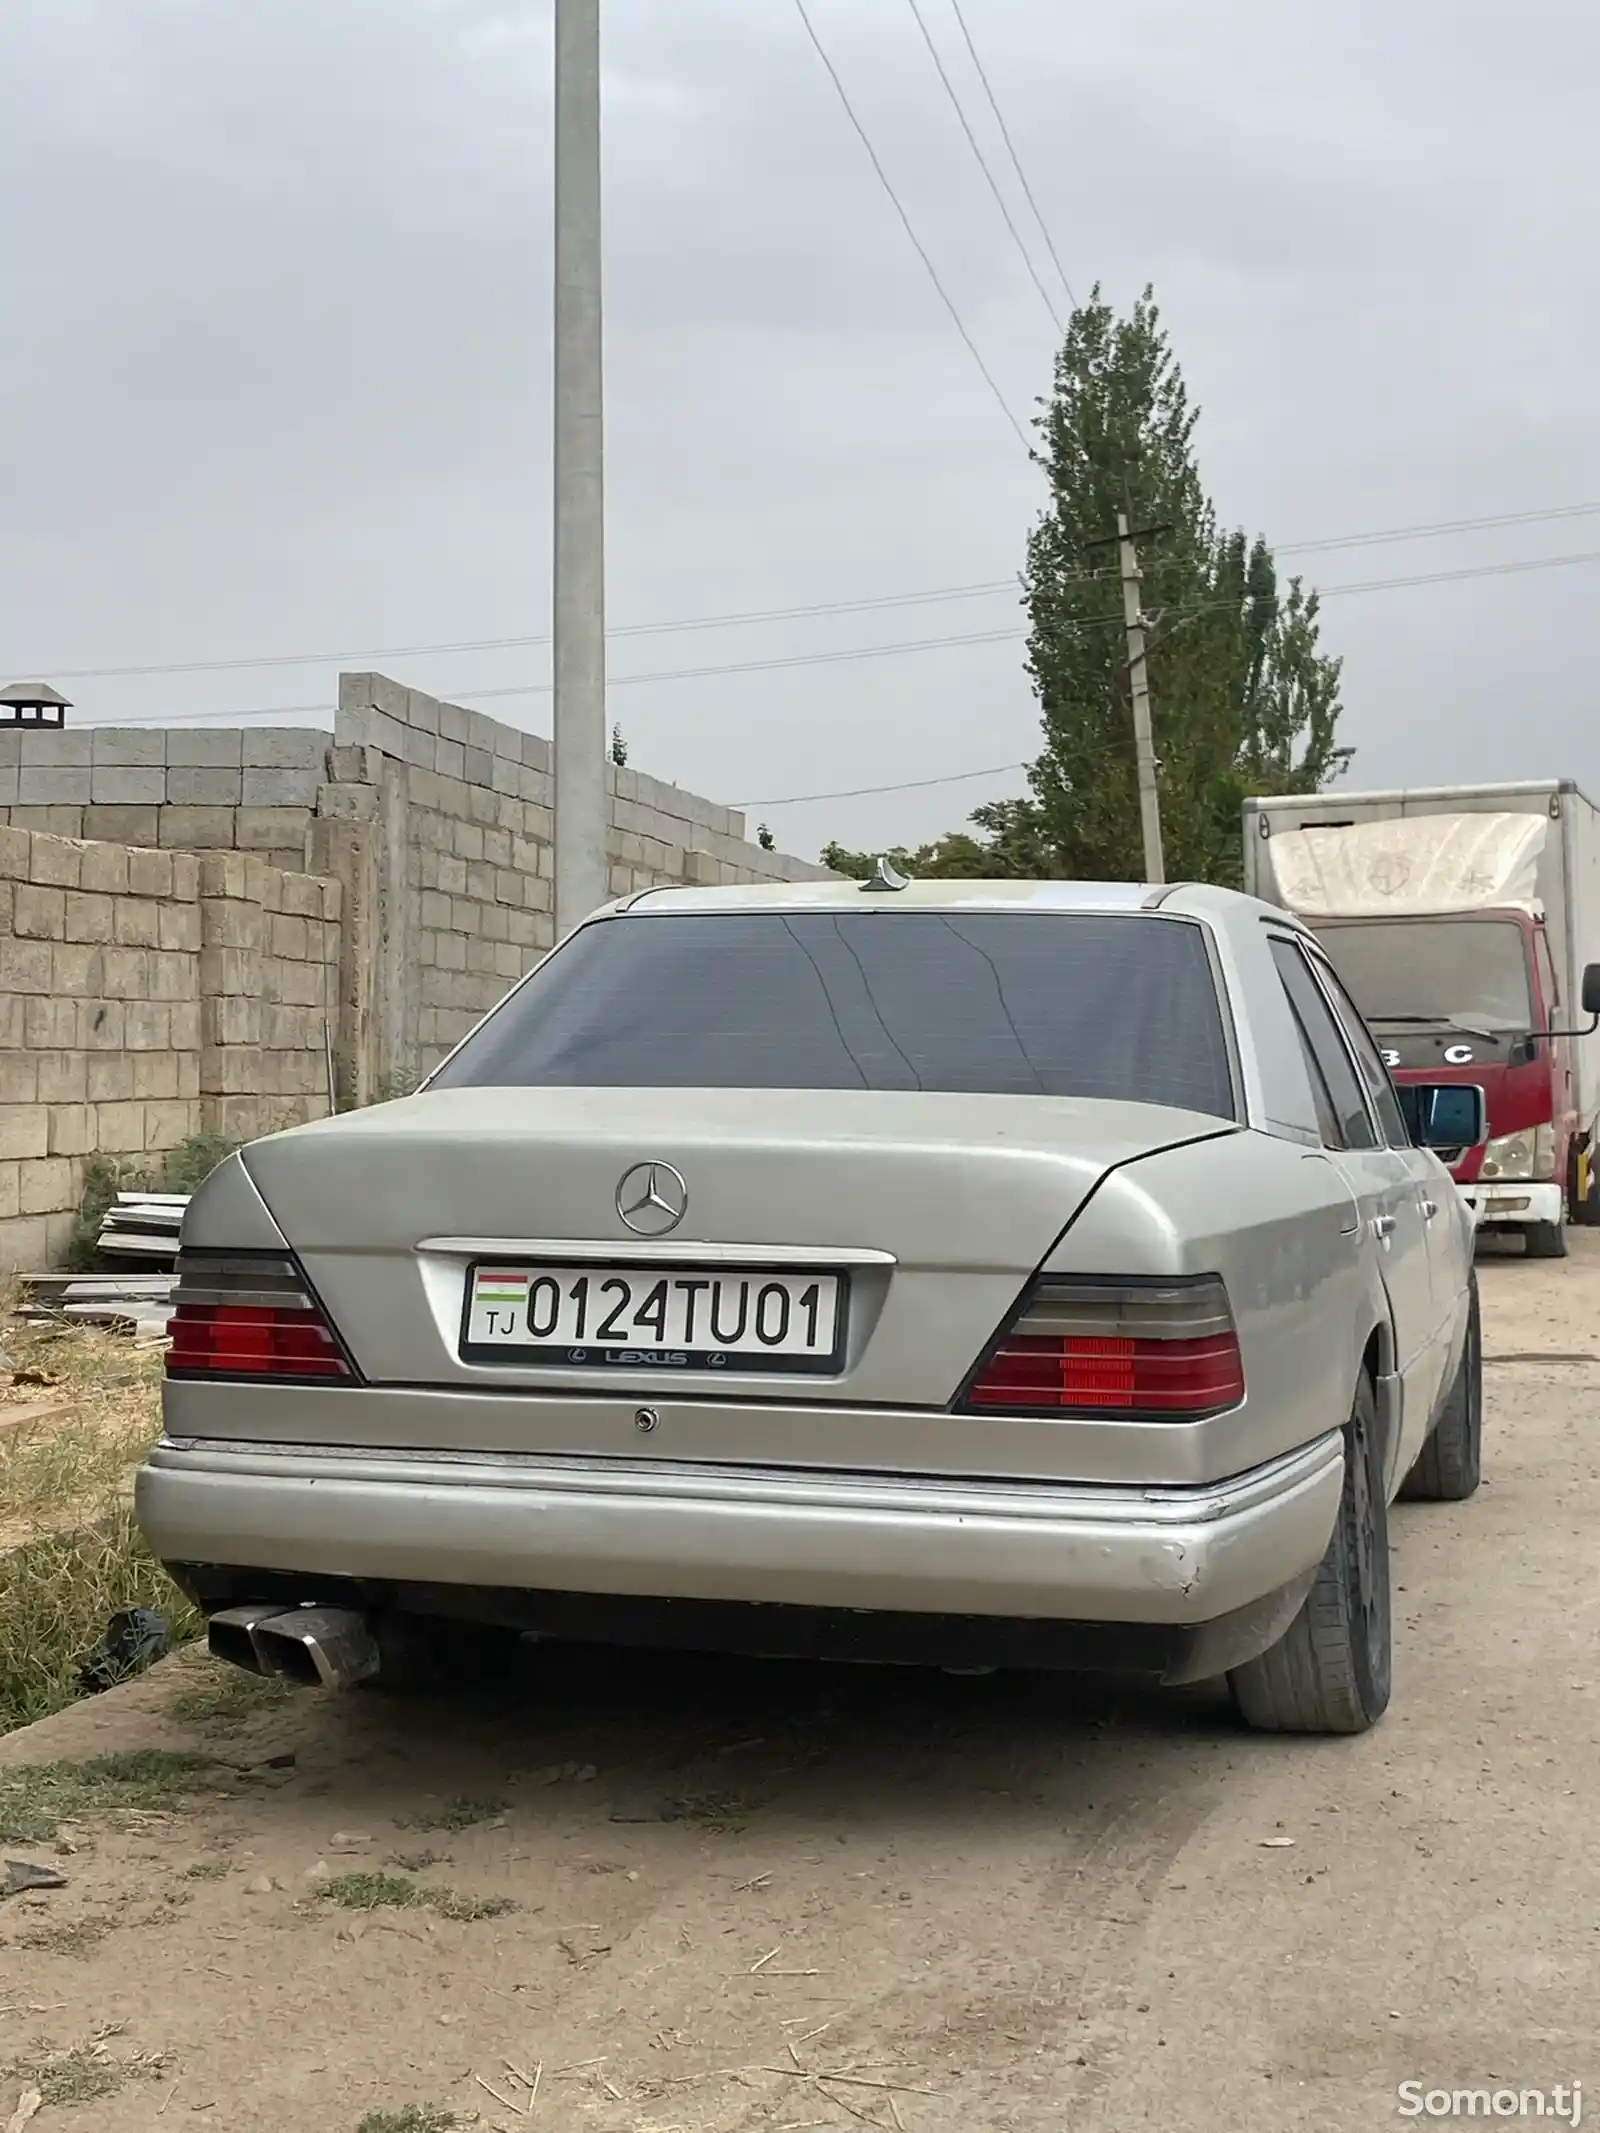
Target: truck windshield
x=1461, y=973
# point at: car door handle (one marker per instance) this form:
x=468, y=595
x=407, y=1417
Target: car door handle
x=1383, y=1226
x=1429, y=1209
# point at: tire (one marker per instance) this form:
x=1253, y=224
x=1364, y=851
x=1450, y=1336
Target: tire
x=1449, y=1465
x=1330, y=1670
x=1545, y=1240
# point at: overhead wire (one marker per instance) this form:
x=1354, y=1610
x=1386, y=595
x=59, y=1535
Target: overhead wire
x=933, y=596
x=983, y=164
x=1011, y=150
x=906, y=223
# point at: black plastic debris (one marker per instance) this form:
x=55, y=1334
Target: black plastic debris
x=134, y=1639
x=22, y=1876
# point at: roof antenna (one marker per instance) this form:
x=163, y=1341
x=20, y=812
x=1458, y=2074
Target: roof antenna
x=884, y=877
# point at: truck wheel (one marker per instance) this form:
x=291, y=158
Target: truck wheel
x=1449, y=1464
x=1330, y=1670
x=1545, y=1240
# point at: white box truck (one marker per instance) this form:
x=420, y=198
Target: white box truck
x=1462, y=919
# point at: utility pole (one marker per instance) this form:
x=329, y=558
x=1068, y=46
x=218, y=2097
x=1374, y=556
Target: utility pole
x=1139, y=681
x=582, y=876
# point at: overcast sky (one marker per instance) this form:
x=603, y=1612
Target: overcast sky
x=274, y=366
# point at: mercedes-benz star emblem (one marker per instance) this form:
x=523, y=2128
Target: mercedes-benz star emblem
x=652, y=1198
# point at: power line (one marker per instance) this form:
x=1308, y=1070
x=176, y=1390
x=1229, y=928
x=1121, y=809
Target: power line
x=983, y=164
x=859, y=792
x=935, y=595
x=905, y=220
x=1011, y=150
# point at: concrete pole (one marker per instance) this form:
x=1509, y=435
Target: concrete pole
x=1139, y=681
x=579, y=657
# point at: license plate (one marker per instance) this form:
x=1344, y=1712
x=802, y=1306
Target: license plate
x=653, y=1318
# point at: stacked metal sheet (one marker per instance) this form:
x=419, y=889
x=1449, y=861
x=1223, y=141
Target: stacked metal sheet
x=141, y=1228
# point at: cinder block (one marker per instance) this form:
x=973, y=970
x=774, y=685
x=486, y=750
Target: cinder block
x=127, y=744
x=422, y=711
x=73, y=1130
x=497, y=844
x=13, y=1020
x=282, y=788
x=49, y=821
x=174, y=976
x=136, y=922
x=39, y=914
x=45, y=1188
x=389, y=734
x=104, y=871
x=263, y=882
x=196, y=829
x=302, y=895
x=224, y=874
x=19, y=1077
x=40, y=787
x=25, y=1244
x=63, y=1078
x=377, y=690
x=230, y=970
x=10, y=746
x=56, y=862
x=186, y=1038
x=491, y=738
x=347, y=803
x=147, y=1026
x=180, y=928
x=10, y=784
x=270, y=829
x=155, y=1076
x=479, y=764
x=123, y=825
x=454, y=721
x=467, y=838
x=57, y=748
x=229, y=922
x=125, y=973
x=424, y=787
x=121, y=1127
x=75, y=970
x=450, y=758
x=421, y=749
x=10, y=1194
x=353, y=765
x=185, y=877
x=24, y=1131
x=110, y=1077
x=287, y=937
x=115, y=785
x=287, y=748
x=188, y=1063
x=167, y=1125
x=150, y=873
x=205, y=788
x=205, y=747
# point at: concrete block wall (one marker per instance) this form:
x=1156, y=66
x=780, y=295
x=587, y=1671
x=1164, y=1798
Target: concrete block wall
x=178, y=788
x=147, y=996
x=466, y=805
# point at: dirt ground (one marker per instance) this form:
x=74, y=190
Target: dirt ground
x=773, y=1897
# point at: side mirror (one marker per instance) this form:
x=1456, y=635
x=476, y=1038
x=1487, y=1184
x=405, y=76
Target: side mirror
x=1446, y=1114
x=1591, y=989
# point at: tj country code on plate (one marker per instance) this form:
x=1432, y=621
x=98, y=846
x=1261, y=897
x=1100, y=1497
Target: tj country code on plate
x=654, y=1316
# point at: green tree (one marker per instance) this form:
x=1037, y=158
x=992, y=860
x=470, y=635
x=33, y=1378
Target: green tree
x=1244, y=701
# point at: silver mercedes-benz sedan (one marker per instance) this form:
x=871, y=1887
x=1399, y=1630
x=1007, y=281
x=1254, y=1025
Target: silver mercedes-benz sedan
x=975, y=1273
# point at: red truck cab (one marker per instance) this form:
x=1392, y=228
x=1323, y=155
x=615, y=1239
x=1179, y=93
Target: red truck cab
x=1471, y=996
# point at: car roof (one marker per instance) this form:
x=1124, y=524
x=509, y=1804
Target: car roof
x=1183, y=899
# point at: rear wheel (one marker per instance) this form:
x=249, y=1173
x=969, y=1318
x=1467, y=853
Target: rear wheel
x=1449, y=1465
x=1330, y=1671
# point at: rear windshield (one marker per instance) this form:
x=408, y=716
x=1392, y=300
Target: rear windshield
x=1013, y=1003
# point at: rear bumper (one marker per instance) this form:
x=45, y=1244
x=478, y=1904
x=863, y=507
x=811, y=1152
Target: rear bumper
x=1512, y=1201
x=776, y=1537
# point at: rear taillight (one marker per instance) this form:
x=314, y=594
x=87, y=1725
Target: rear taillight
x=235, y=1315
x=1167, y=1349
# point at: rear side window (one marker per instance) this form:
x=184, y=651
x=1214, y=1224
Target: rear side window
x=1020, y=1003
x=1373, y=1071
x=1322, y=1038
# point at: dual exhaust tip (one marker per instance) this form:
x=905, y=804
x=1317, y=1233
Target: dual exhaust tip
x=316, y=1647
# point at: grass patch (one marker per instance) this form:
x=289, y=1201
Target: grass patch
x=396, y=1892
x=71, y=1555
x=418, y=1862
x=91, y=2071
x=458, y=1814
x=224, y=1699
x=208, y=1870
x=36, y=1798
x=415, y=2118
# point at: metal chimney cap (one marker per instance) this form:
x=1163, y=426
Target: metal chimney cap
x=34, y=695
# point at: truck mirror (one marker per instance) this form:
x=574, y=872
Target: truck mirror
x=1591, y=988
x=1445, y=1114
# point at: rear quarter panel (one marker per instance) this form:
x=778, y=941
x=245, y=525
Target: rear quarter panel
x=1273, y=1219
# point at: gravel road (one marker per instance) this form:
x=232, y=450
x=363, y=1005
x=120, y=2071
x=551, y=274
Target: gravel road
x=760, y=1897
